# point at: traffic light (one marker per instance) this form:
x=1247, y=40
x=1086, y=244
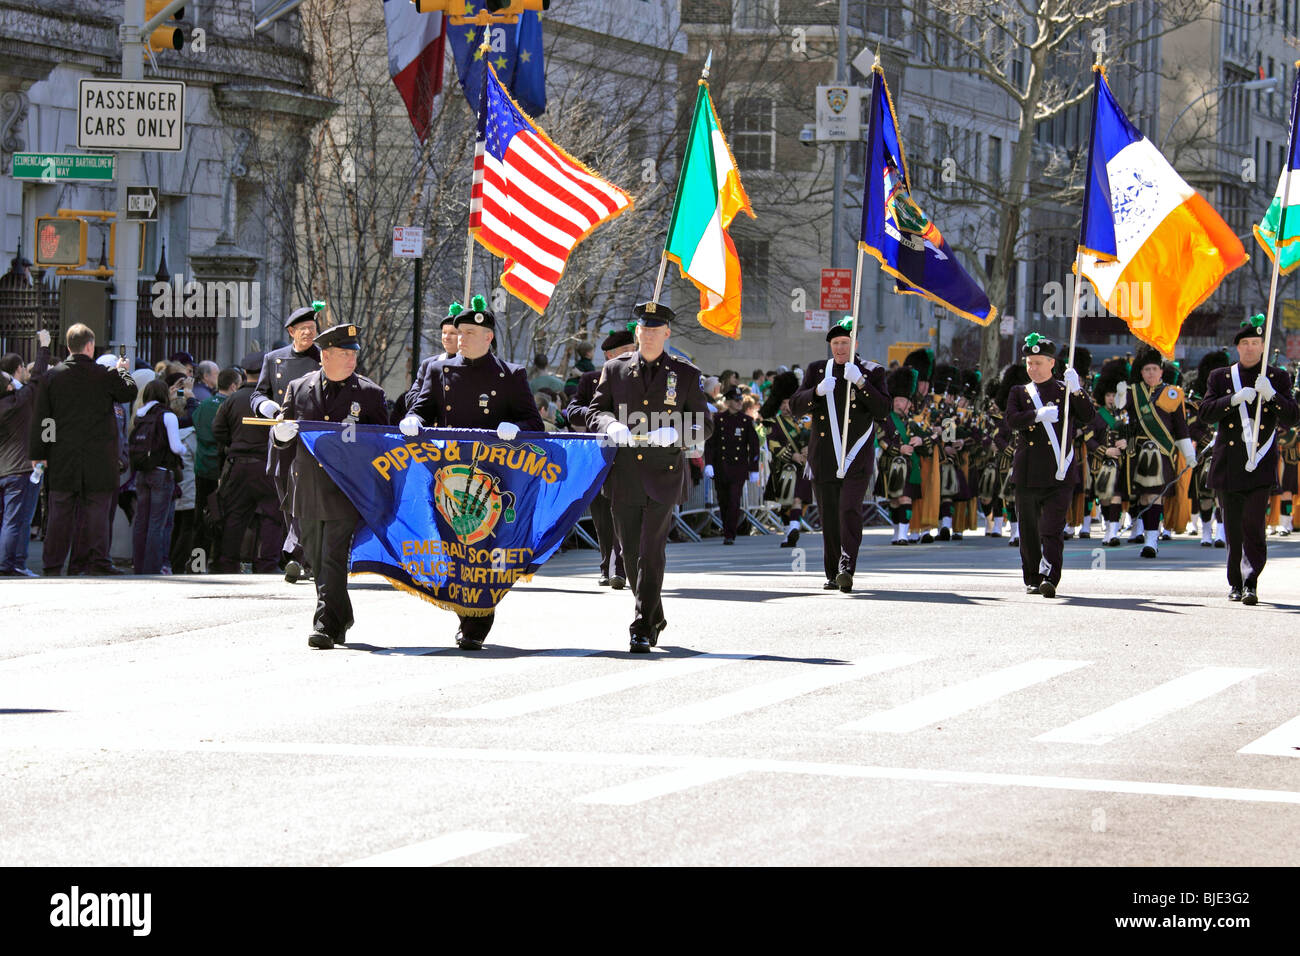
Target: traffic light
x=514, y=7
x=166, y=37
x=60, y=242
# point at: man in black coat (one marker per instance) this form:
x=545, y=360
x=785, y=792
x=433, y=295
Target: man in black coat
x=1244, y=481
x=579, y=415
x=636, y=395
x=731, y=459
x=474, y=389
x=450, y=346
x=333, y=393
x=825, y=393
x=74, y=430
x=246, y=489
x=1034, y=413
x=279, y=368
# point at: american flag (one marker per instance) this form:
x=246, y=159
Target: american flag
x=532, y=202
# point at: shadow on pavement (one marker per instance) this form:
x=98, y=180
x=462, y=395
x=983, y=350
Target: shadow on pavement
x=26, y=710
x=504, y=652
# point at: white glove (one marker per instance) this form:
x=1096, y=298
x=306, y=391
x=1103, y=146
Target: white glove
x=1121, y=394
x=1247, y=394
x=43, y=338
x=708, y=471
x=1048, y=413
x=826, y=385
x=663, y=437
x=852, y=374
x=285, y=431
x=1188, y=449
x=269, y=408
x=1265, y=387
x=1071, y=380
x=753, y=476
x=618, y=434
x=410, y=426
x=507, y=431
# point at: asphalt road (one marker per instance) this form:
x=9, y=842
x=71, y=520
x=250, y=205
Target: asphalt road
x=938, y=715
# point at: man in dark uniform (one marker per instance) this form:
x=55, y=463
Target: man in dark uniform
x=1042, y=500
x=731, y=459
x=246, y=489
x=450, y=346
x=74, y=430
x=474, y=389
x=332, y=393
x=1244, y=481
x=827, y=390
x=641, y=390
x=579, y=415
x=279, y=368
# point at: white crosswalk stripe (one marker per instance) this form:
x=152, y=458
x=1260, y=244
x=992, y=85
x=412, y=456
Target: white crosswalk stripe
x=660, y=785
x=771, y=692
x=1146, y=708
x=443, y=849
x=637, y=675
x=959, y=698
x=1282, y=741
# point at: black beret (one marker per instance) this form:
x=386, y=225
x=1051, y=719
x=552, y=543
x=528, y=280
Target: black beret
x=300, y=315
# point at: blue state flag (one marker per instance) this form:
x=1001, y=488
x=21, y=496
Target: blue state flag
x=516, y=55
x=457, y=516
x=898, y=234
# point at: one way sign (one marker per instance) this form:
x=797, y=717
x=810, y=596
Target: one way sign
x=141, y=203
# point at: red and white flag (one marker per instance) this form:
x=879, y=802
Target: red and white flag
x=415, y=46
x=532, y=203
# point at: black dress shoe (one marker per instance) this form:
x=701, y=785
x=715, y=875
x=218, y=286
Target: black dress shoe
x=1207, y=544
x=654, y=638
x=292, y=572
x=1220, y=543
x=1085, y=534
x=618, y=582
x=468, y=643
x=945, y=534
x=1013, y=543
x=927, y=538
x=1047, y=589
x=639, y=645
x=322, y=642
x=1249, y=597
x=844, y=581
x=1148, y=551
x=956, y=536
x=603, y=581
x=1234, y=594
x=1032, y=589
x=829, y=586
x=791, y=539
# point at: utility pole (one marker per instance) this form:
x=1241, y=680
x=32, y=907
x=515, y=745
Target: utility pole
x=126, y=253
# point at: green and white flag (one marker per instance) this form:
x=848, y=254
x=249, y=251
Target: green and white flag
x=1283, y=216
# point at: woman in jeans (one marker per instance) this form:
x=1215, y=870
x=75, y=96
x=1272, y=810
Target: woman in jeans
x=154, y=489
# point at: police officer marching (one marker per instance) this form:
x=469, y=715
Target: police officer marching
x=731, y=456
x=279, y=368
x=649, y=478
x=474, y=389
x=332, y=393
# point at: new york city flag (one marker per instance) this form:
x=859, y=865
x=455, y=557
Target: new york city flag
x=457, y=516
x=898, y=234
x=1150, y=244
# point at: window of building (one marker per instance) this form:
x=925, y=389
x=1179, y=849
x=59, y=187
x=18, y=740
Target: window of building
x=918, y=29
x=914, y=148
x=754, y=14
x=755, y=256
x=882, y=19
x=995, y=162
x=753, y=137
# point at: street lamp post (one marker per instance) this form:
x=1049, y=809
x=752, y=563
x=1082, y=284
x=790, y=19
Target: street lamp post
x=1269, y=84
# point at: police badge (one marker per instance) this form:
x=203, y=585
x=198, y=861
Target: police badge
x=354, y=412
x=671, y=397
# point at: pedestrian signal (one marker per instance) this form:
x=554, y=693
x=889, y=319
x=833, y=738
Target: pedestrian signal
x=60, y=242
x=168, y=36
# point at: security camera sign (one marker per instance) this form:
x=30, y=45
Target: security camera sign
x=126, y=114
x=839, y=113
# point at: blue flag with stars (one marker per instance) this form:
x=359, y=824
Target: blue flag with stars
x=516, y=55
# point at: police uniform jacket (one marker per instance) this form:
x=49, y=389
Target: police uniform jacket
x=732, y=449
x=233, y=437
x=580, y=414
x=460, y=392
x=1034, y=465
x=312, y=493
x=870, y=402
x=1228, y=465
x=628, y=385
x=78, y=396
x=282, y=366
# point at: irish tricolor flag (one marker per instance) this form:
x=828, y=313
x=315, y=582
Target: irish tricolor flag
x=1150, y=244
x=1283, y=216
x=709, y=196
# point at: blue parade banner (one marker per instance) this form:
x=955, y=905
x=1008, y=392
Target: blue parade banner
x=456, y=515
x=895, y=230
